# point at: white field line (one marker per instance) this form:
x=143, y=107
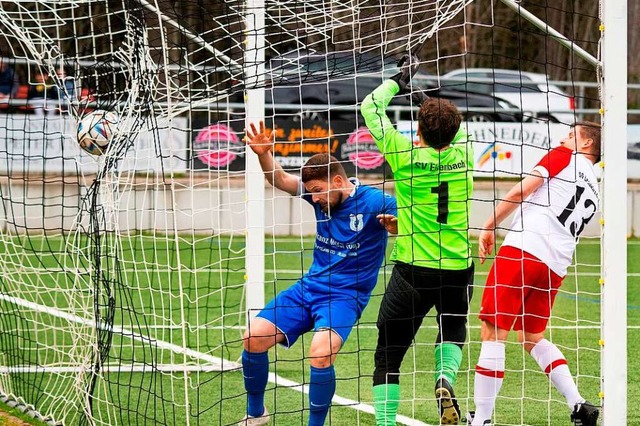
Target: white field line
x=366, y=408
x=171, y=368
x=223, y=365
x=219, y=364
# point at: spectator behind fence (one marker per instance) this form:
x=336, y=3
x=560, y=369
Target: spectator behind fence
x=8, y=80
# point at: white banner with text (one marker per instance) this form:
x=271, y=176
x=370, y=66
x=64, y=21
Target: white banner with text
x=508, y=149
x=505, y=149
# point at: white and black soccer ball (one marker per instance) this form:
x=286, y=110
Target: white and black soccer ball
x=95, y=131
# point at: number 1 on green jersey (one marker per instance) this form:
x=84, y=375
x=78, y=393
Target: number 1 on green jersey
x=442, y=191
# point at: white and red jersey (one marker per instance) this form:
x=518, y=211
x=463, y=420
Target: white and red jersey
x=548, y=223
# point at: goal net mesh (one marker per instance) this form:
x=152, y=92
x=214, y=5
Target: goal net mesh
x=122, y=276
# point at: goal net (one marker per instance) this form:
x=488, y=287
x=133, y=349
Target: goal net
x=126, y=278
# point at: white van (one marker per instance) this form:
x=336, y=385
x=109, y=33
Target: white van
x=532, y=92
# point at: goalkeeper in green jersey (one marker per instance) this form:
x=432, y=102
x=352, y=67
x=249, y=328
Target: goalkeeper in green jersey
x=434, y=184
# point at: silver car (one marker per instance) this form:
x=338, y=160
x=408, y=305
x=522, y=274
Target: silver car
x=539, y=100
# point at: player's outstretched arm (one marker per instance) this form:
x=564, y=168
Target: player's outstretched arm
x=514, y=199
x=261, y=143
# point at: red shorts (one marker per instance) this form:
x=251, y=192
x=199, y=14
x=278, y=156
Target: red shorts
x=520, y=291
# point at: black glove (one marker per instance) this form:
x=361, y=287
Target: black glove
x=408, y=65
x=417, y=95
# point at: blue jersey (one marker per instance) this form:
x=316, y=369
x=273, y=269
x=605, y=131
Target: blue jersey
x=350, y=245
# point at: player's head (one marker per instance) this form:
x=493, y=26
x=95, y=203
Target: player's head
x=584, y=137
x=438, y=122
x=325, y=179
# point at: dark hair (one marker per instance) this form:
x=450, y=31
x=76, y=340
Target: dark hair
x=438, y=122
x=591, y=130
x=321, y=167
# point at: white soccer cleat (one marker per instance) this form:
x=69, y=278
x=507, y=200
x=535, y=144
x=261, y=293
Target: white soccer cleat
x=255, y=421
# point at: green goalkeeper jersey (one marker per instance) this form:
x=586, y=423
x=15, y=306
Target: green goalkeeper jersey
x=433, y=190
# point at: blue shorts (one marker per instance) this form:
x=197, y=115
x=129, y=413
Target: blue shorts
x=295, y=311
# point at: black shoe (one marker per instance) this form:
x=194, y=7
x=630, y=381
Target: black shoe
x=446, y=399
x=585, y=414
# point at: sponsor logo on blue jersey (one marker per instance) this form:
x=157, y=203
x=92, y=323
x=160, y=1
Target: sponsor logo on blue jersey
x=350, y=245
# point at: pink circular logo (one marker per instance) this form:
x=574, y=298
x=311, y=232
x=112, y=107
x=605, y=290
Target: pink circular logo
x=217, y=145
x=362, y=151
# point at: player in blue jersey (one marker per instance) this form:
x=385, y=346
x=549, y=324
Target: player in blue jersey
x=351, y=239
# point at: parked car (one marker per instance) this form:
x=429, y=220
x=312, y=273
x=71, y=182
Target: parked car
x=532, y=92
x=342, y=80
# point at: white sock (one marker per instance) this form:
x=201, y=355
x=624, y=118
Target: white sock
x=552, y=362
x=488, y=380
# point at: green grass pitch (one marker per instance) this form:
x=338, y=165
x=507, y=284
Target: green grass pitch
x=207, y=295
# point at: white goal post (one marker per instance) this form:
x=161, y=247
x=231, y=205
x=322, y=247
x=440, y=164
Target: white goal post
x=254, y=179
x=614, y=237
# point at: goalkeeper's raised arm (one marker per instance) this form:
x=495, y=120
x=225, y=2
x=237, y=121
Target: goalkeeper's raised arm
x=261, y=142
x=395, y=147
x=389, y=140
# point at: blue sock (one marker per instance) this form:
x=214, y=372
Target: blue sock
x=255, y=370
x=321, y=389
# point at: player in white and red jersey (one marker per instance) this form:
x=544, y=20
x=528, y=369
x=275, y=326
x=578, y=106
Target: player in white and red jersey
x=552, y=206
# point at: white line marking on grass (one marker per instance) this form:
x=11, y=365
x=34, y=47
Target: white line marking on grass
x=170, y=368
x=366, y=408
x=221, y=363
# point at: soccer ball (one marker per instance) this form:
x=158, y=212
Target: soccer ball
x=95, y=130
